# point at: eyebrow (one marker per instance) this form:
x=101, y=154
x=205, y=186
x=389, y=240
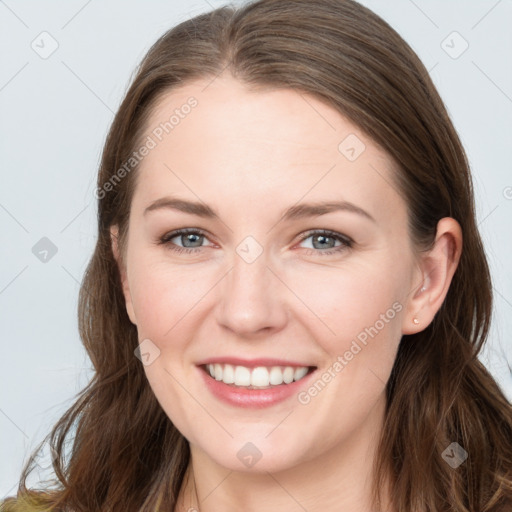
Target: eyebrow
x=294, y=212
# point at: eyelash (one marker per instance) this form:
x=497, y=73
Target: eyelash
x=345, y=240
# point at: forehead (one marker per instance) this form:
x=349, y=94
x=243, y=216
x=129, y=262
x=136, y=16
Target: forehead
x=215, y=139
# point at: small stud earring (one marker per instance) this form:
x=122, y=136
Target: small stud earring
x=422, y=289
x=416, y=321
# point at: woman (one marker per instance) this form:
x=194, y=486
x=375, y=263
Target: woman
x=289, y=291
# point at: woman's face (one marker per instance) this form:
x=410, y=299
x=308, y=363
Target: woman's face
x=258, y=283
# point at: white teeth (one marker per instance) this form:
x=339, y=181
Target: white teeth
x=276, y=376
x=242, y=376
x=288, y=375
x=259, y=377
x=228, y=375
x=299, y=373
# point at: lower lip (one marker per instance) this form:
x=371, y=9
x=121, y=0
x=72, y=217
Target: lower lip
x=252, y=398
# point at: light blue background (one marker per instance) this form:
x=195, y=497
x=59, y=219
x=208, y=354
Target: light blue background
x=55, y=113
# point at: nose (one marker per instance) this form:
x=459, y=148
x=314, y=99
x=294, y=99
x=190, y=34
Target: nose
x=252, y=298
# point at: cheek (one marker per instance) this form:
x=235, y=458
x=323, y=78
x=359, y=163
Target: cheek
x=163, y=294
x=343, y=303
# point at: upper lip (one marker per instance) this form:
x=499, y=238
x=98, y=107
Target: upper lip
x=251, y=363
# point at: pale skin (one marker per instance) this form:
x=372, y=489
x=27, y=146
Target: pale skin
x=250, y=156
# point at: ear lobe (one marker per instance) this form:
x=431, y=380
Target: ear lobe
x=122, y=271
x=437, y=269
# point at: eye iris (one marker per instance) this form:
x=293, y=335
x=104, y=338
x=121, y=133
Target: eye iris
x=190, y=238
x=322, y=238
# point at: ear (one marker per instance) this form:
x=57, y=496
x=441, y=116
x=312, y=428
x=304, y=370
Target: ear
x=122, y=271
x=436, y=270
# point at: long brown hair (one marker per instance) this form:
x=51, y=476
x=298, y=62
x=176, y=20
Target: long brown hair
x=126, y=454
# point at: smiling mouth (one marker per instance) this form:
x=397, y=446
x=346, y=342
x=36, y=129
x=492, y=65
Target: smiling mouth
x=260, y=377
